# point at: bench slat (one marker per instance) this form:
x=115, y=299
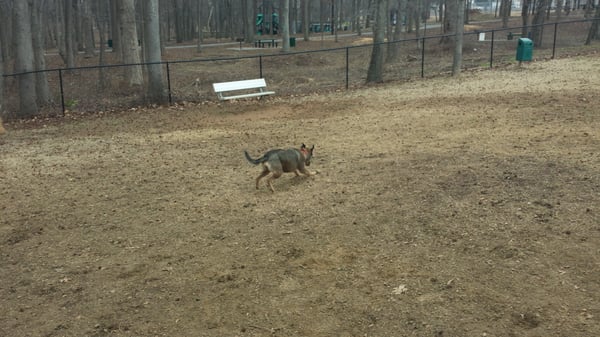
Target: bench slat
x=255, y=94
x=258, y=83
x=240, y=85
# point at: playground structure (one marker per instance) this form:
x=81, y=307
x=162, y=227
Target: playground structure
x=264, y=27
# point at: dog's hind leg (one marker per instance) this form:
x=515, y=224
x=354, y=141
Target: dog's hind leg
x=263, y=174
x=273, y=176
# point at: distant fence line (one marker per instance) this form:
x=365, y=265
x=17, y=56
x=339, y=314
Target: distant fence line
x=294, y=72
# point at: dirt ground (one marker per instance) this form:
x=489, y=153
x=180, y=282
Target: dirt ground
x=448, y=207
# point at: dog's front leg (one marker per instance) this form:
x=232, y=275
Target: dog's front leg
x=307, y=172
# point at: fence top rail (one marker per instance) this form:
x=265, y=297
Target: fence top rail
x=415, y=39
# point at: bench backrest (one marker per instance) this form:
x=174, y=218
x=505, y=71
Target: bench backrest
x=240, y=85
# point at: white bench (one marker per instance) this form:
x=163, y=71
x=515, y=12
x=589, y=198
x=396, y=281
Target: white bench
x=246, y=85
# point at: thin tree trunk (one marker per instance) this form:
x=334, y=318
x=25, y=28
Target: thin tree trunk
x=525, y=16
x=1, y=85
x=69, y=34
x=594, y=33
x=505, y=7
x=200, y=27
x=115, y=24
x=375, y=72
x=87, y=24
x=458, y=41
x=537, y=28
x=37, y=39
x=24, y=59
x=285, y=26
x=394, y=48
x=101, y=24
x=305, y=19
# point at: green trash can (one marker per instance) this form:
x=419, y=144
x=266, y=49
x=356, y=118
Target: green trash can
x=292, y=42
x=524, y=49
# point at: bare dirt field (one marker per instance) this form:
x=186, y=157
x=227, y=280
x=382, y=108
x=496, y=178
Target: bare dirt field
x=449, y=207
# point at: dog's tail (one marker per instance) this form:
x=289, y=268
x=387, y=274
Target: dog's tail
x=255, y=161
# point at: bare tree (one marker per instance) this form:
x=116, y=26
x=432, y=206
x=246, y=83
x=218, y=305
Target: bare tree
x=1, y=83
x=505, y=9
x=594, y=33
x=6, y=33
x=375, y=72
x=24, y=58
x=249, y=20
x=156, y=88
x=458, y=40
x=539, y=16
x=559, y=9
x=43, y=95
x=102, y=15
x=129, y=42
x=394, y=48
x=115, y=27
x=285, y=25
x=87, y=25
x=69, y=34
x=306, y=19
x=525, y=16
x=449, y=23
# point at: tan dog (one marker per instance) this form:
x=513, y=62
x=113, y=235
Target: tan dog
x=278, y=161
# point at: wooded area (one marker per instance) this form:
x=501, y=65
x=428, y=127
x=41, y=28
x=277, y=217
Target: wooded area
x=136, y=32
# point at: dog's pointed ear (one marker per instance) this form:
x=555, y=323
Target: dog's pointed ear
x=312, y=148
x=303, y=146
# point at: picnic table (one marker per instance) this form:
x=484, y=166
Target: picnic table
x=261, y=43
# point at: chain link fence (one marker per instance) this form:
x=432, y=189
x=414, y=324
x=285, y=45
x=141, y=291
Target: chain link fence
x=105, y=88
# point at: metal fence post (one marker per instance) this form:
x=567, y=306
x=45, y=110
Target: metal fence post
x=554, y=42
x=260, y=66
x=492, y=50
x=347, y=66
x=423, y=59
x=62, y=91
x=169, y=84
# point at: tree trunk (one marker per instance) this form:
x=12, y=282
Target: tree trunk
x=101, y=24
x=24, y=58
x=537, y=30
x=129, y=43
x=394, y=48
x=505, y=8
x=1, y=84
x=450, y=21
x=70, y=45
x=37, y=39
x=285, y=26
x=559, y=9
x=5, y=35
x=305, y=19
x=87, y=24
x=525, y=16
x=156, y=89
x=458, y=40
x=179, y=29
x=115, y=27
x=249, y=21
x=594, y=33
x=375, y=72
x=200, y=28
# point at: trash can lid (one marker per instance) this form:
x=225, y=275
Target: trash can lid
x=525, y=40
